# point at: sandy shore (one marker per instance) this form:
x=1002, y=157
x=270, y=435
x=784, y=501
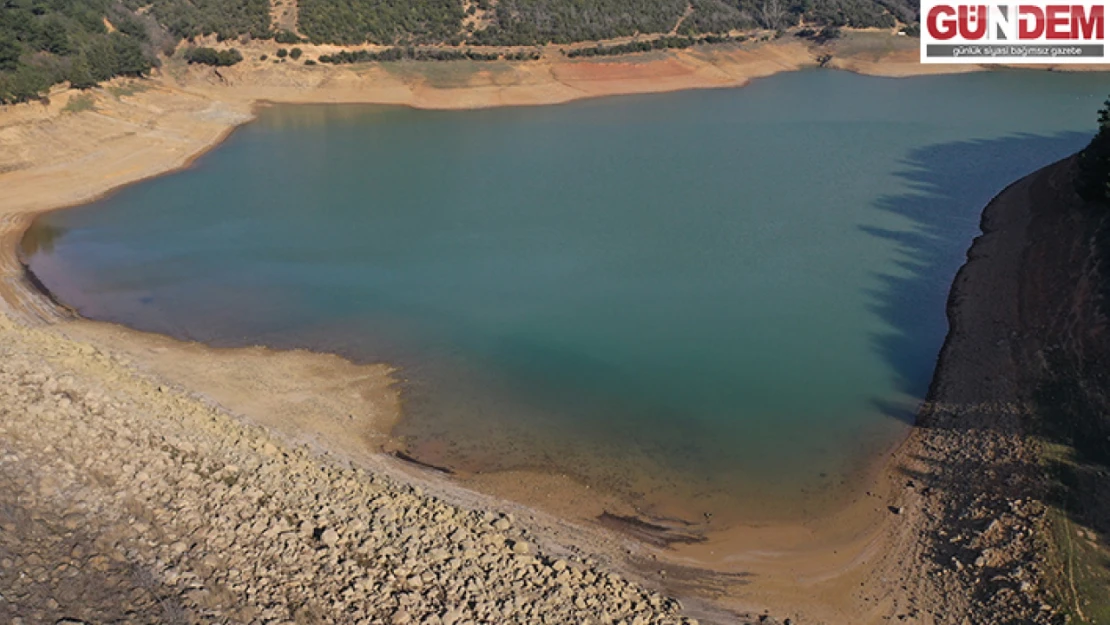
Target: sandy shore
x=868, y=563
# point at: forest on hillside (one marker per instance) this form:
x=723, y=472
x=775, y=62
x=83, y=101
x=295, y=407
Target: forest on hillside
x=44, y=42
x=529, y=22
x=538, y=22
x=84, y=42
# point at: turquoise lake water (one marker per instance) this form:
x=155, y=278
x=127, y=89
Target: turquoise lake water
x=700, y=297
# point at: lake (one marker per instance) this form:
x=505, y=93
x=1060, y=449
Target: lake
x=722, y=301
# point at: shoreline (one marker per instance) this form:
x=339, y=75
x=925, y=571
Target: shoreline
x=802, y=552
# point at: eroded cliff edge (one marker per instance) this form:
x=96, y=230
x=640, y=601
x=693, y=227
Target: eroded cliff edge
x=1006, y=463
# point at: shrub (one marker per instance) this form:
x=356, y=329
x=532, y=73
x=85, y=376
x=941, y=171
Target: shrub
x=1092, y=181
x=295, y=53
x=282, y=53
x=286, y=36
x=211, y=56
x=77, y=104
x=828, y=33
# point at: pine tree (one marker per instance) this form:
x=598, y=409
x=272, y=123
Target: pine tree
x=1093, y=181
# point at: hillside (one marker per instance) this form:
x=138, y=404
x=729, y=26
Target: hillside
x=84, y=42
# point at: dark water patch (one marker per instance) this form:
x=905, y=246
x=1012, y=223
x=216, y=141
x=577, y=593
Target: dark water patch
x=948, y=184
x=401, y=455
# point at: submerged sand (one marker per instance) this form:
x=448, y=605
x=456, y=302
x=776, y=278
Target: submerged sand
x=866, y=563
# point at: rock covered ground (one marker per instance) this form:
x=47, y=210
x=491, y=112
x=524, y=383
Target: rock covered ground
x=123, y=501
x=976, y=485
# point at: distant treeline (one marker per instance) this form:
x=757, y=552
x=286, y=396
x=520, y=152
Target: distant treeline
x=426, y=54
x=227, y=19
x=529, y=22
x=85, y=42
x=537, y=22
x=662, y=43
x=541, y=22
x=381, y=21
x=44, y=42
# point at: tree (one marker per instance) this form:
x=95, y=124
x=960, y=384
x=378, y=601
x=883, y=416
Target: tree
x=9, y=54
x=285, y=36
x=130, y=60
x=79, y=75
x=100, y=57
x=26, y=83
x=55, y=39
x=773, y=14
x=1092, y=181
x=211, y=56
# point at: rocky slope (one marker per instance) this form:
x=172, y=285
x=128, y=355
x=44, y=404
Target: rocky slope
x=1024, y=312
x=123, y=501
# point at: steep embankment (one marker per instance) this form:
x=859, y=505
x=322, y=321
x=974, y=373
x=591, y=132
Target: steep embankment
x=1024, y=314
x=980, y=484
x=1066, y=369
x=123, y=500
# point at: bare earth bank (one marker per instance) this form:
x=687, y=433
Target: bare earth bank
x=190, y=480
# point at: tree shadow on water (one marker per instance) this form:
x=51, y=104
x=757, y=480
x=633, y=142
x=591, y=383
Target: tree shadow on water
x=949, y=185
x=986, y=491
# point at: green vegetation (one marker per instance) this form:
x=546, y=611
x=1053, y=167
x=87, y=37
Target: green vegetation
x=44, y=43
x=527, y=22
x=131, y=88
x=856, y=13
x=825, y=35
x=1071, y=411
x=285, y=36
x=295, y=53
x=1093, y=179
x=211, y=56
x=79, y=103
x=84, y=42
x=539, y=22
x=662, y=43
x=226, y=19
x=1072, y=418
x=426, y=54
x=719, y=16
x=381, y=21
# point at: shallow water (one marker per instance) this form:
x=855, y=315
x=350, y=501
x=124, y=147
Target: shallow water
x=723, y=301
